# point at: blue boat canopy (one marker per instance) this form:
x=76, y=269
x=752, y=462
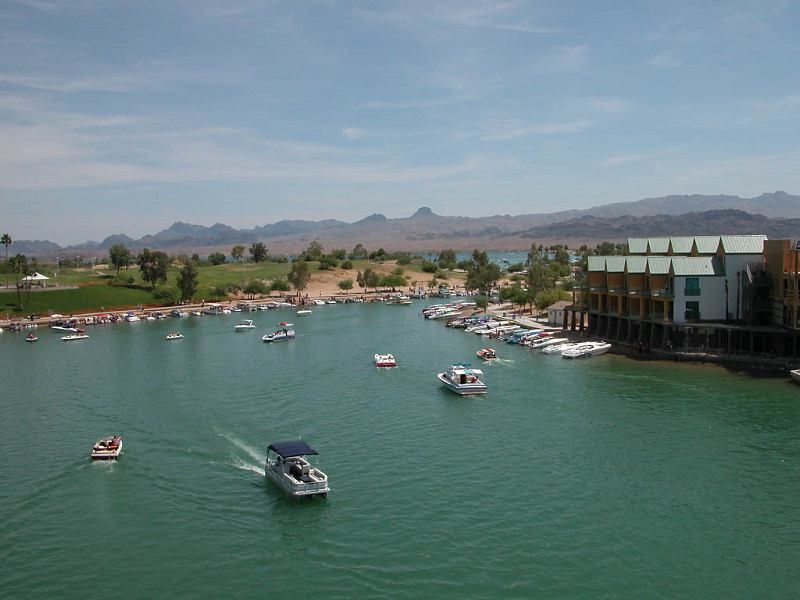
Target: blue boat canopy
x=293, y=448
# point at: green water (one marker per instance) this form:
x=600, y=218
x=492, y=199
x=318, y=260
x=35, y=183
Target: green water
x=598, y=478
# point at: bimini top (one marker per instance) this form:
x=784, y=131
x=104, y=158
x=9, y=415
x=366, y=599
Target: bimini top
x=293, y=448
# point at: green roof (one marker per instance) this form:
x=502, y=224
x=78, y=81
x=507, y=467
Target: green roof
x=637, y=245
x=706, y=244
x=658, y=245
x=743, y=244
x=597, y=263
x=615, y=264
x=695, y=266
x=636, y=264
x=658, y=265
x=681, y=244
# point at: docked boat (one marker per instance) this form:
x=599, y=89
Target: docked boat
x=277, y=336
x=462, y=379
x=174, y=336
x=67, y=328
x=131, y=318
x=385, y=360
x=31, y=337
x=287, y=466
x=795, y=375
x=586, y=349
x=559, y=348
x=487, y=354
x=542, y=343
x=303, y=311
x=75, y=336
x=177, y=312
x=107, y=448
x=244, y=325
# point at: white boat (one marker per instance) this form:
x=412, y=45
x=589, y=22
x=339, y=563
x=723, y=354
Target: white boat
x=281, y=334
x=31, y=337
x=462, y=379
x=795, y=375
x=75, y=336
x=177, y=312
x=545, y=342
x=559, y=348
x=303, y=311
x=586, y=349
x=107, y=448
x=212, y=309
x=287, y=466
x=487, y=354
x=64, y=328
x=132, y=318
x=174, y=336
x=318, y=302
x=285, y=324
x=385, y=360
x=244, y=324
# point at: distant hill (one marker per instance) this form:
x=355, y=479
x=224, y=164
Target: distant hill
x=775, y=214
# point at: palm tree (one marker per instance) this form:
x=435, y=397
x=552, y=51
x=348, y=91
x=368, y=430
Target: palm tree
x=6, y=241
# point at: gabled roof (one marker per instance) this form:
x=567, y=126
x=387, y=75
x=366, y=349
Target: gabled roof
x=681, y=244
x=597, y=263
x=657, y=245
x=636, y=264
x=637, y=245
x=658, y=265
x=706, y=244
x=615, y=264
x=696, y=266
x=743, y=244
x=560, y=304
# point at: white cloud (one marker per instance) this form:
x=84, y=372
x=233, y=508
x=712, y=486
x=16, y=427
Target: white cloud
x=352, y=133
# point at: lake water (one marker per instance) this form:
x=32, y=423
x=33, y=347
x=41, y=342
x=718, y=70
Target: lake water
x=600, y=478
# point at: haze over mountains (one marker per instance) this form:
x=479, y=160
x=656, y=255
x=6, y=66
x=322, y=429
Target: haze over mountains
x=776, y=215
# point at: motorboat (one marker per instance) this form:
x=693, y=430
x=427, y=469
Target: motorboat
x=385, y=360
x=281, y=334
x=303, y=311
x=244, y=324
x=75, y=336
x=586, y=349
x=212, y=309
x=559, y=348
x=795, y=375
x=131, y=318
x=177, y=312
x=287, y=466
x=107, y=448
x=462, y=379
x=318, y=302
x=174, y=336
x=67, y=328
x=195, y=313
x=285, y=324
x=487, y=354
x=545, y=342
x=31, y=337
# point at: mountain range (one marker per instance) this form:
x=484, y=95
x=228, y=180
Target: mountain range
x=775, y=214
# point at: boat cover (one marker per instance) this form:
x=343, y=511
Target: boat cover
x=293, y=448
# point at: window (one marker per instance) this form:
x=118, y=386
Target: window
x=692, y=286
x=692, y=311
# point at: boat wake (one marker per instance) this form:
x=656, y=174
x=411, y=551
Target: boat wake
x=245, y=464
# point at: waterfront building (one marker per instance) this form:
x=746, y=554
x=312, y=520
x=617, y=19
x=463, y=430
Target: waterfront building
x=732, y=293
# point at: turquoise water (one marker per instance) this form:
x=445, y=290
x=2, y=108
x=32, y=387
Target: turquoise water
x=600, y=478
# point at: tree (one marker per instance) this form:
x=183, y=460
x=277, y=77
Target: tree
x=481, y=274
x=255, y=286
x=359, y=252
x=327, y=262
x=6, y=241
x=120, y=256
x=346, y=285
x=187, y=281
x=237, y=252
x=258, y=251
x=153, y=266
x=314, y=251
x=299, y=275
x=339, y=253
x=372, y=279
x=447, y=259
x=19, y=266
x=482, y=302
x=393, y=281
x=280, y=285
x=216, y=258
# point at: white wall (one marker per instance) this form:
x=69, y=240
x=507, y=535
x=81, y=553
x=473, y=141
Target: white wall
x=711, y=298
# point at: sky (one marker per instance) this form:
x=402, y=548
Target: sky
x=124, y=116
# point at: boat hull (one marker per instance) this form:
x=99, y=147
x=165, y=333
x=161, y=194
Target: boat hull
x=463, y=389
x=296, y=488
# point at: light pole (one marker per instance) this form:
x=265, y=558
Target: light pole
x=94, y=262
x=56, y=266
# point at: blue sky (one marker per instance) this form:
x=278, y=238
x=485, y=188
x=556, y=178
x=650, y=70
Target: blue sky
x=125, y=116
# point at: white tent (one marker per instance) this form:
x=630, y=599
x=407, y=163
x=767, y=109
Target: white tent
x=37, y=278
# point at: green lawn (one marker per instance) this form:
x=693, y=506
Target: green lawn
x=93, y=289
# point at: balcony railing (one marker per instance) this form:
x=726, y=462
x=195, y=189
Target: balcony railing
x=662, y=293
